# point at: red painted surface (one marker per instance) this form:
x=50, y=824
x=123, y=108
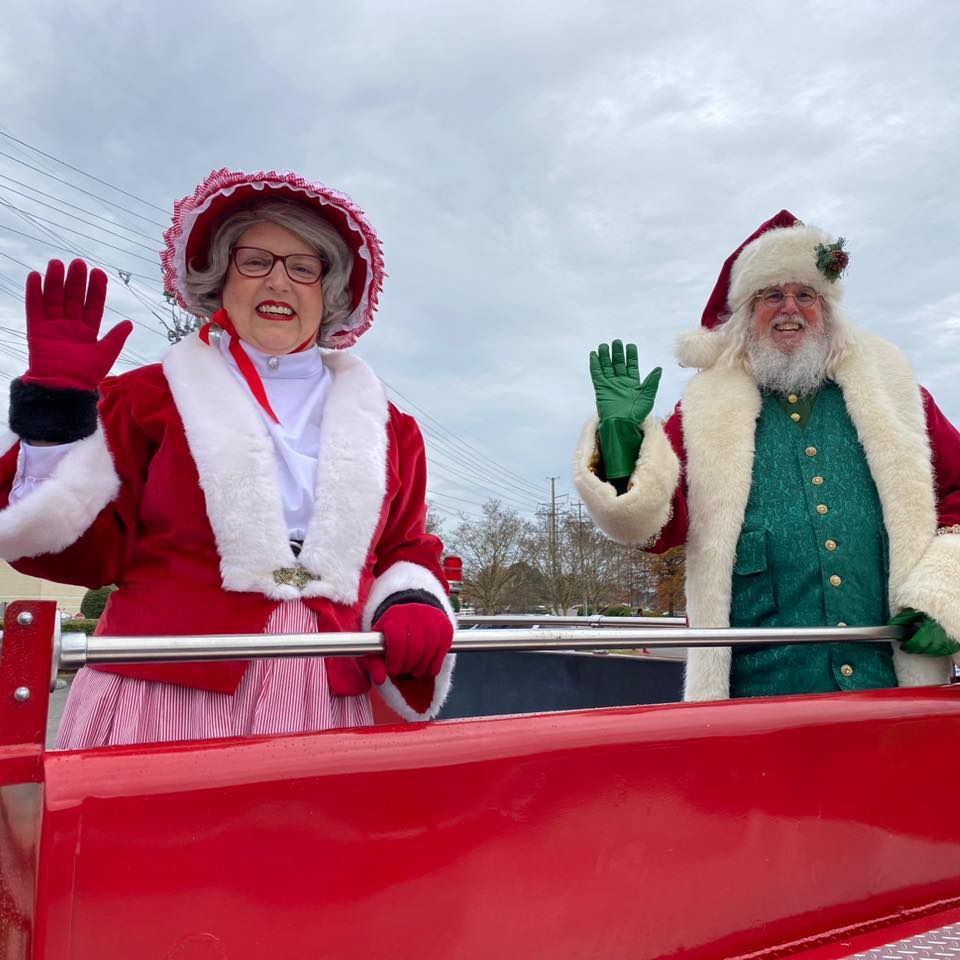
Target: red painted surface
x=24, y=663
x=695, y=831
x=749, y=828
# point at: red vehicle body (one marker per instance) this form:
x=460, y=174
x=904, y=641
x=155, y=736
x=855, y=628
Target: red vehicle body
x=807, y=827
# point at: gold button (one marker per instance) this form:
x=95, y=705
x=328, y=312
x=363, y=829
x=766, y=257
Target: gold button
x=811, y=451
x=847, y=670
x=792, y=398
x=821, y=508
x=830, y=544
x=835, y=580
x=795, y=417
x=816, y=481
x=842, y=623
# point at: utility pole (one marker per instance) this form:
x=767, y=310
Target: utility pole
x=552, y=541
x=552, y=535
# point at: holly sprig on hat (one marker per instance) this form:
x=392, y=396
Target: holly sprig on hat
x=832, y=259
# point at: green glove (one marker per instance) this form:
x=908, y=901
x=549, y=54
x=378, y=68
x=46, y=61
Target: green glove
x=623, y=403
x=931, y=639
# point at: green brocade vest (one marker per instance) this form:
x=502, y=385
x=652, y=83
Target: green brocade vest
x=812, y=552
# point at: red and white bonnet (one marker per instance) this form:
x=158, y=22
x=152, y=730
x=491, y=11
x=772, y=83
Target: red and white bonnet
x=196, y=218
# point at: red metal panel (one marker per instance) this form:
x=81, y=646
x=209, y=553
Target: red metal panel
x=694, y=831
x=20, y=809
x=25, y=665
x=24, y=694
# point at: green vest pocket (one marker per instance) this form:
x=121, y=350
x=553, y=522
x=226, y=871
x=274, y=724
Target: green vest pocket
x=754, y=600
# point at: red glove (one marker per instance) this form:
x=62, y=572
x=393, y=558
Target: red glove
x=63, y=322
x=416, y=638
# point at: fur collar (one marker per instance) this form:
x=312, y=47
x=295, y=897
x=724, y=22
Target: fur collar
x=235, y=460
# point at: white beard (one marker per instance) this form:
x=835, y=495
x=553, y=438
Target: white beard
x=800, y=372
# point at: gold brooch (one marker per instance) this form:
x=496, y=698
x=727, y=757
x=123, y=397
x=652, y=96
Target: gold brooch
x=296, y=576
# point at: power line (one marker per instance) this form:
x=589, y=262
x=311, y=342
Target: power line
x=67, y=203
x=70, y=166
x=95, y=226
x=488, y=487
x=63, y=246
x=86, y=236
x=477, y=471
x=27, y=266
x=74, y=186
x=462, y=442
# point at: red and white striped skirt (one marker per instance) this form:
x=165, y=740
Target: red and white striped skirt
x=274, y=696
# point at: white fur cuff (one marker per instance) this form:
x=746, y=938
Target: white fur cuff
x=441, y=688
x=411, y=576
x=933, y=586
x=641, y=513
x=404, y=576
x=62, y=508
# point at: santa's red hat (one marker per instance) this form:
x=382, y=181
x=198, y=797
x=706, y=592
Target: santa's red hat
x=197, y=216
x=781, y=250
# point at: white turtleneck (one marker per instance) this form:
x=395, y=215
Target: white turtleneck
x=296, y=385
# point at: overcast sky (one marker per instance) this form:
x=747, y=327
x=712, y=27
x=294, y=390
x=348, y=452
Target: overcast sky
x=543, y=176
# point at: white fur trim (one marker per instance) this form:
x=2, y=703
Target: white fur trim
x=884, y=403
x=441, y=689
x=61, y=509
x=700, y=348
x=236, y=464
x=641, y=513
x=411, y=576
x=720, y=409
x=404, y=576
x=707, y=674
x=779, y=256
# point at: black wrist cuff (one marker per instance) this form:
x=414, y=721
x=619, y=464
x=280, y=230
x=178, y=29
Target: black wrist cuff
x=407, y=596
x=53, y=414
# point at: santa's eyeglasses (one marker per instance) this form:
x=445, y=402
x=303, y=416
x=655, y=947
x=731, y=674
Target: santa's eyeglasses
x=775, y=297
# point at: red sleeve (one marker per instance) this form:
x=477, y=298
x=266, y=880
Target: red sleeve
x=674, y=532
x=404, y=536
x=99, y=554
x=945, y=448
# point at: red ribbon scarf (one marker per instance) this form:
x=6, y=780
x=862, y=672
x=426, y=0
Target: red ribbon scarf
x=246, y=366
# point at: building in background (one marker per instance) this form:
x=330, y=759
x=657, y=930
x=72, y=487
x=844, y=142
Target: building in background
x=18, y=586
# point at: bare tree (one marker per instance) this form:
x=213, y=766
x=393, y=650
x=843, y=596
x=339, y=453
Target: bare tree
x=550, y=548
x=669, y=568
x=490, y=549
x=434, y=522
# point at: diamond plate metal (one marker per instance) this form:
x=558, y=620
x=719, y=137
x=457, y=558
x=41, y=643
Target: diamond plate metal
x=940, y=944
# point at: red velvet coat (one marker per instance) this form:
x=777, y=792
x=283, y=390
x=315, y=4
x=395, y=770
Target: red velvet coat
x=176, y=500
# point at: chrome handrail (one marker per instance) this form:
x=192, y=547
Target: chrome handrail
x=76, y=649
x=596, y=620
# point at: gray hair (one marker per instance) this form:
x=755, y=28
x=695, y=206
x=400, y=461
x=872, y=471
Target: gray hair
x=205, y=285
x=738, y=329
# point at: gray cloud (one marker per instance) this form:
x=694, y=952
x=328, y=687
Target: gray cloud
x=543, y=176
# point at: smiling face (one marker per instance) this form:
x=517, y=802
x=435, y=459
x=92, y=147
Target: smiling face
x=788, y=325
x=273, y=313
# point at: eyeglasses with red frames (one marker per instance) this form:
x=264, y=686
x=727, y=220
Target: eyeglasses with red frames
x=300, y=267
